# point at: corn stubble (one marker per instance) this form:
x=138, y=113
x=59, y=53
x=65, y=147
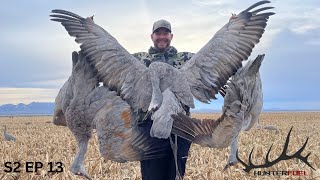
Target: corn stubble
x=41, y=141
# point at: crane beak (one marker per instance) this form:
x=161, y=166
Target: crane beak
x=147, y=115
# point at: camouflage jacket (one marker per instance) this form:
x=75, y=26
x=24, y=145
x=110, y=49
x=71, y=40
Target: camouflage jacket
x=171, y=56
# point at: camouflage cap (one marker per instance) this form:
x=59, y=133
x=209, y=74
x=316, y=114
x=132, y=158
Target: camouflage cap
x=161, y=24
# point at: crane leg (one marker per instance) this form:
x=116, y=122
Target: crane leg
x=232, y=160
x=77, y=166
x=174, y=147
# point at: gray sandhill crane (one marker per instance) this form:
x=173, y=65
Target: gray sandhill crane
x=271, y=127
x=267, y=127
x=82, y=106
x=242, y=107
x=143, y=88
x=7, y=136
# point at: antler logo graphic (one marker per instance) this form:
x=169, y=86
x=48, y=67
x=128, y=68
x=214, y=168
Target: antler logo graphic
x=283, y=156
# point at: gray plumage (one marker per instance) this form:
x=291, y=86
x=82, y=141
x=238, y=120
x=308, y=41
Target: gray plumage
x=210, y=68
x=142, y=88
x=270, y=127
x=267, y=127
x=248, y=78
x=86, y=106
x=64, y=97
x=170, y=105
x=7, y=136
x=242, y=107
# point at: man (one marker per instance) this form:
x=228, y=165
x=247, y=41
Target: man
x=164, y=168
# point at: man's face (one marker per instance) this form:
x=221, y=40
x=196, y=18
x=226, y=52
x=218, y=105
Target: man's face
x=161, y=38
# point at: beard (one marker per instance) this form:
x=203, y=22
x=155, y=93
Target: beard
x=162, y=44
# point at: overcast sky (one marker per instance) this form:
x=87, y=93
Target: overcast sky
x=35, y=52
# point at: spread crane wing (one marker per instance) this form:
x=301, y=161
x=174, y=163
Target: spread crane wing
x=210, y=68
x=116, y=67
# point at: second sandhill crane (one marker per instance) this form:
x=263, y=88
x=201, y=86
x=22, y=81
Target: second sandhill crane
x=82, y=105
x=267, y=127
x=241, y=110
x=7, y=136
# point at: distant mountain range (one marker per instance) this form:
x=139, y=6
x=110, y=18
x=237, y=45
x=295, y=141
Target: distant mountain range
x=34, y=108
x=46, y=108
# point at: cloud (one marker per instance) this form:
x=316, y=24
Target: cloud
x=53, y=83
x=212, y=3
x=296, y=16
x=27, y=95
x=303, y=28
x=36, y=53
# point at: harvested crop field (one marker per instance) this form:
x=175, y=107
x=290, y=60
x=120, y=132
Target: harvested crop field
x=38, y=140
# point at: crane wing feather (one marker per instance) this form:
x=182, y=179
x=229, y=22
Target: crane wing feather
x=210, y=68
x=116, y=67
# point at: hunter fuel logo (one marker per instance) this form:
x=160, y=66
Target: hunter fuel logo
x=283, y=157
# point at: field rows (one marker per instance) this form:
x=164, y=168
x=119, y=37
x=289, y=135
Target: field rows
x=39, y=140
